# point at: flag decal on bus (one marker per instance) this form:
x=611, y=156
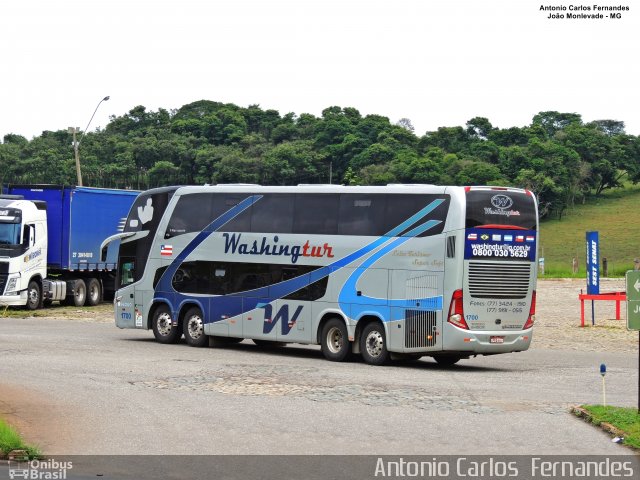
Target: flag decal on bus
x=166, y=250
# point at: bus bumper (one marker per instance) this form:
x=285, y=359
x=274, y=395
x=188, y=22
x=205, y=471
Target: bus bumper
x=485, y=342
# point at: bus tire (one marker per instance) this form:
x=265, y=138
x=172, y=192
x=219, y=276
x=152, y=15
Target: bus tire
x=373, y=344
x=447, y=360
x=334, y=340
x=162, y=326
x=193, y=328
x=34, y=296
x=94, y=292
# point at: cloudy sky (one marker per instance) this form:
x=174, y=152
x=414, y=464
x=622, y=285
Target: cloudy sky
x=436, y=62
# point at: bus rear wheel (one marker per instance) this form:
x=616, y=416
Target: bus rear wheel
x=193, y=326
x=373, y=344
x=334, y=340
x=162, y=325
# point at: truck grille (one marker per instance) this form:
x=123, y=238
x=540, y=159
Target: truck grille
x=499, y=280
x=419, y=326
x=3, y=283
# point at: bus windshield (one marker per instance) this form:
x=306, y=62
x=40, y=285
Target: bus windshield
x=500, y=209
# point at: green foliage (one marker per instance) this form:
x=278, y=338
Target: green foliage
x=610, y=215
x=626, y=419
x=561, y=159
x=11, y=440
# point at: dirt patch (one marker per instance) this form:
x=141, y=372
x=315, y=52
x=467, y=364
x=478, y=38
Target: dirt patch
x=39, y=420
x=558, y=319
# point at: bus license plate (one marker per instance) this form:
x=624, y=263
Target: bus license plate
x=496, y=340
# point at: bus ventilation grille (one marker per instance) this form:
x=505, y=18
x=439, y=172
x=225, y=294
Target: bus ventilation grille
x=3, y=282
x=499, y=280
x=420, y=329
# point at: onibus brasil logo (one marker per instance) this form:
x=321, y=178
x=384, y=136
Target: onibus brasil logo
x=49, y=469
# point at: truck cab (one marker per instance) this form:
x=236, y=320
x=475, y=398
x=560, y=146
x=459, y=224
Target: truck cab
x=23, y=251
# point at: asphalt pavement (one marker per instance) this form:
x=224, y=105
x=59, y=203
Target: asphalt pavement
x=78, y=387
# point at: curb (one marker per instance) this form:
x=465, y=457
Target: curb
x=607, y=427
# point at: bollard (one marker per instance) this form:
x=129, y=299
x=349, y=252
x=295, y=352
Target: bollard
x=575, y=265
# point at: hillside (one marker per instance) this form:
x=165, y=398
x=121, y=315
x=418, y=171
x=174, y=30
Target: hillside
x=616, y=215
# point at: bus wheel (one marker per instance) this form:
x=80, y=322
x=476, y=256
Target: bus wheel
x=162, y=326
x=33, y=295
x=373, y=344
x=94, y=292
x=334, y=341
x=447, y=360
x=193, y=326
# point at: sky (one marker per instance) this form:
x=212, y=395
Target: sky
x=435, y=62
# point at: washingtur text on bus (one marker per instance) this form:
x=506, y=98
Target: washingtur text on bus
x=233, y=244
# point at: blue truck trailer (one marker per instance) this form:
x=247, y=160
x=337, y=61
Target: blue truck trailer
x=50, y=237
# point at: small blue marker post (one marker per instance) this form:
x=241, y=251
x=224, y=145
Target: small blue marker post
x=603, y=372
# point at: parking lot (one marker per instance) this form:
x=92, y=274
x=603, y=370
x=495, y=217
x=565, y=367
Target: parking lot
x=81, y=386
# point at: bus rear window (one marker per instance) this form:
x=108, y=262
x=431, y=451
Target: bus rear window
x=500, y=208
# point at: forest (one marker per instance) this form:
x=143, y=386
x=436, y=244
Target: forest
x=558, y=156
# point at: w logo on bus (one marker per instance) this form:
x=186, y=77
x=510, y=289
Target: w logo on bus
x=271, y=321
x=501, y=201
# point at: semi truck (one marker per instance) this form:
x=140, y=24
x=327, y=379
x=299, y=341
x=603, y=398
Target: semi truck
x=50, y=243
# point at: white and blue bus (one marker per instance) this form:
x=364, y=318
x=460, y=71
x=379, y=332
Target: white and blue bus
x=393, y=271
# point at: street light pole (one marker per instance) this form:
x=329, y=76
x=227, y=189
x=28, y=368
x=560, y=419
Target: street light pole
x=76, y=144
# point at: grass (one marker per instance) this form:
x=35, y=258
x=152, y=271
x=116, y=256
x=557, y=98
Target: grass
x=614, y=214
x=11, y=440
x=623, y=418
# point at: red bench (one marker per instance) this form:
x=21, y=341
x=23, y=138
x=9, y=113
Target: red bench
x=615, y=296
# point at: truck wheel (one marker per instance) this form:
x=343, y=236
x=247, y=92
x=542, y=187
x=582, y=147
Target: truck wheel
x=80, y=294
x=163, y=328
x=33, y=295
x=193, y=326
x=373, y=344
x=94, y=292
x=334, y=341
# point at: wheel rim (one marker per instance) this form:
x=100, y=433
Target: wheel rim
x=93, y=293
x=335, y=340
x=33, y=296
x=195, y=327
x=375, y=343
x=164, y=324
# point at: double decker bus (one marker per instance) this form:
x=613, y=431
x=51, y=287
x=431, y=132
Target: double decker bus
x=383, y=272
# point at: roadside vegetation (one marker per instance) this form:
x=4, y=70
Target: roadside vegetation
x=612, y=215
x=624, y=419
x=10, y=440
x=561, y=158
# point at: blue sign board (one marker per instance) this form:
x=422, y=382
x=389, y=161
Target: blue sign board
x=593, y=263
x=496, y=244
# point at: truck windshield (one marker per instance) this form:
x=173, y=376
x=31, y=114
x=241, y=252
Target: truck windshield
x=9, y=233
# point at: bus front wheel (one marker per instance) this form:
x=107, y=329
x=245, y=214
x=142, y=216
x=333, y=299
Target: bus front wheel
x=194, y=328
x=162, y=325
x=373, y=344
x=335, y=343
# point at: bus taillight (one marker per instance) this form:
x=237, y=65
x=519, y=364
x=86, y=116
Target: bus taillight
x=532, y=312
x=456, y=311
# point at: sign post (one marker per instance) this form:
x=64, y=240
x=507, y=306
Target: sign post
x=593, y=269
x=633, y=312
